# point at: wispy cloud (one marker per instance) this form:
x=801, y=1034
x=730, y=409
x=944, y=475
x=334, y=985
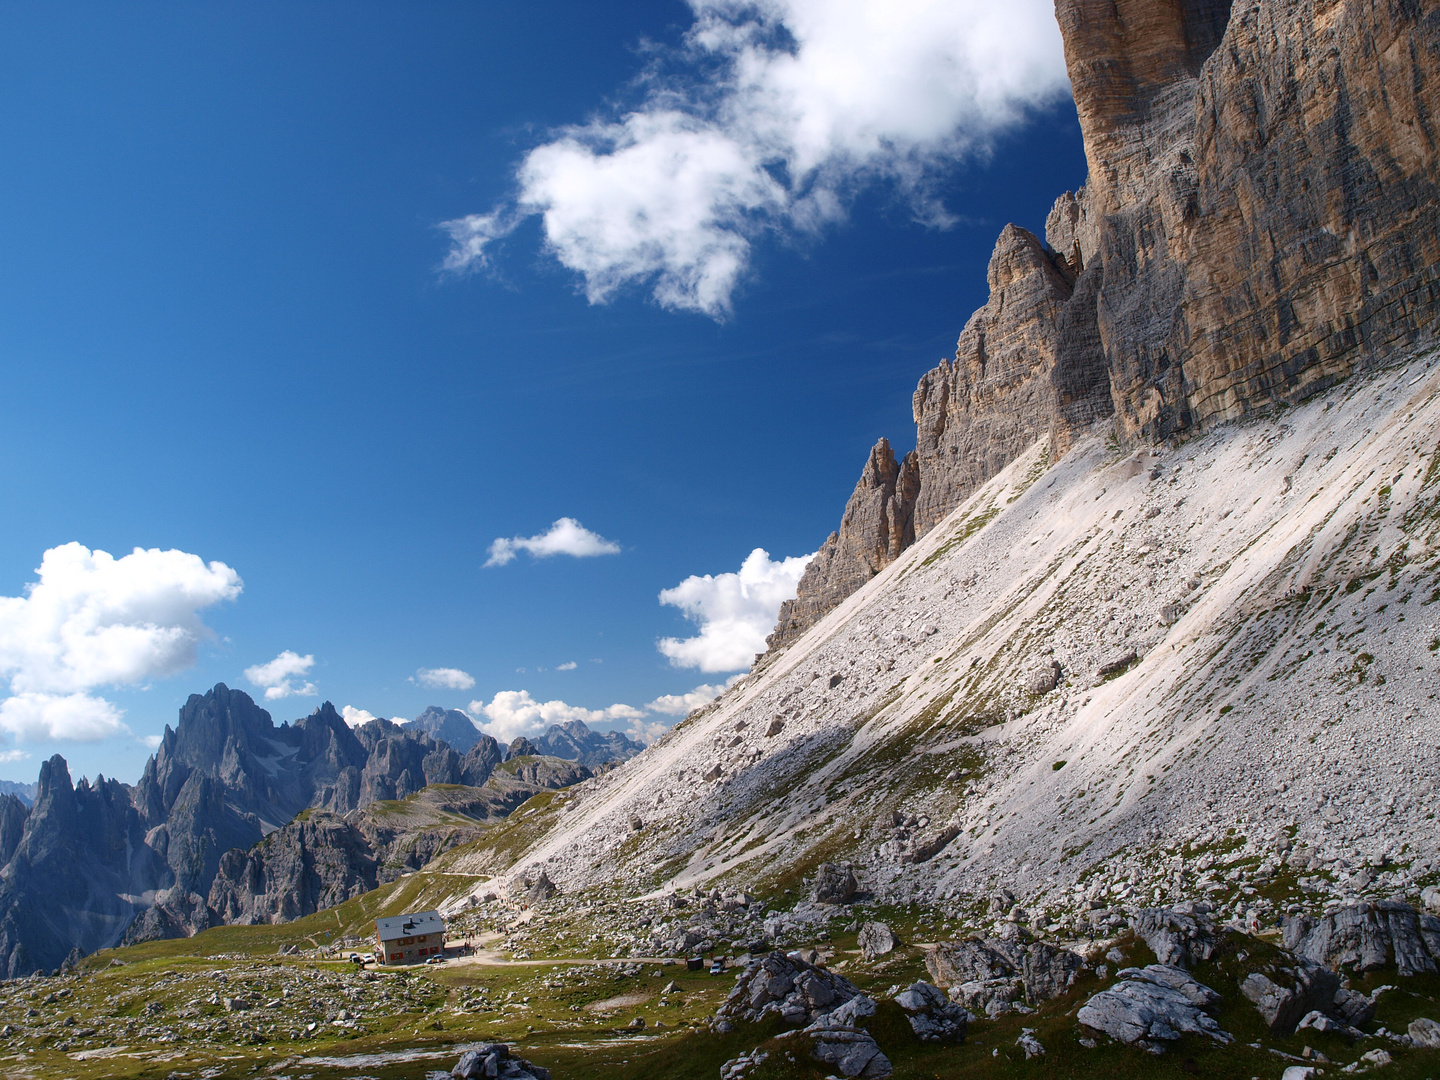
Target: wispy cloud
x=770, y=117
x=569, y=665
x=566, y=537
x=284, y=676
x=445, y=678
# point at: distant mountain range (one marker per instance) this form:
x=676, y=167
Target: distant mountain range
x=85, y=866
x=573, y=741
x=24, y=792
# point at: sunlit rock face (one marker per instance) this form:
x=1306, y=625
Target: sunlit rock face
x=1261, y=219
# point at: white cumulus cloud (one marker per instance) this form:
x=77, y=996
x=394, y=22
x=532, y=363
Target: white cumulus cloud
x=684, y=704
x=512, y=713
x=92, y=620
x=566, y=537
x=79, y=717
x=769, y=117
x=355, y=717
x=284, y=676
x=8, y=756
x=735, y=612
x=569, y=665
x=445, y=678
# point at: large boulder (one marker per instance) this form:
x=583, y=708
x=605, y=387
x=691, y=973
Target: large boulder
x=1286, y=994
x=798, y=991
x=933, y=1017
x=849, y=1052
x=1178, y=936
x=834, y=884
x=1363, y=937
x=494, y=1060
x=1156, y=1002
x=981, y=967
x=877, y=939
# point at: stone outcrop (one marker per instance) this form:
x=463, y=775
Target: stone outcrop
x=1363, y=937
x=1261, y=219
x=495, y=1060
x=834, y=884
x=933, y=1016
x=1153, y=1003
x=797, y=991
x=985, y=971
x=878, y=524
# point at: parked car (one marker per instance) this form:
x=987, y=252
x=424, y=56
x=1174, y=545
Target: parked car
x=354, y=958
x=435, y=960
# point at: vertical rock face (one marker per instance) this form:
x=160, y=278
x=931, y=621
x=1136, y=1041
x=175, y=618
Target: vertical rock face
x=1262, y=218
x=877, y=526
x=974, y=414
x=81, y=849
x=1316, y=243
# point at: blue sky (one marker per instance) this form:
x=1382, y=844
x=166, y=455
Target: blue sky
x=225, y=331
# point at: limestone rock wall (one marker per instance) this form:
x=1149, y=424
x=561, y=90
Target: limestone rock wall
x=1261, y=219
x=877, y=526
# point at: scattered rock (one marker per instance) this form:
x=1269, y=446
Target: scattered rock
x=1030, y=1044
x=737, y=1067
x=1155, y=1002
x=877, y=939
x=933, y=1017
x=834, y=884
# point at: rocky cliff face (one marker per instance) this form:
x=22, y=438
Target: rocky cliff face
x=1261, y=219
x=87, y=864
x=450, y=726
x=80, y=854
x=878, y=524
x=322, y=859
